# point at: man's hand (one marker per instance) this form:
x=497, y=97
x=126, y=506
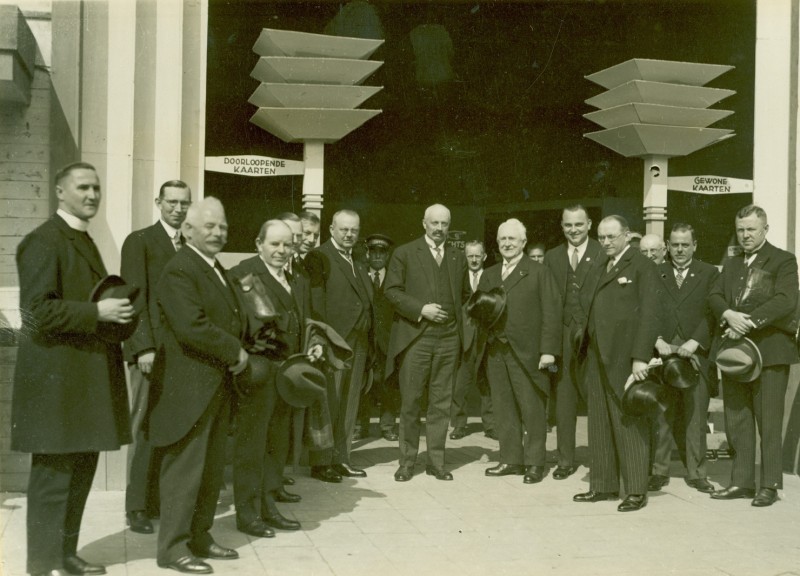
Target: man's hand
x=732, y=334
x=145, y=362
x=314, y=353
x=434, y=313
x=688, y=348
x=239, y=367
x=738, y=321
x=663, y=348
x=117, y=310
x=546, y=360
x=639, y=370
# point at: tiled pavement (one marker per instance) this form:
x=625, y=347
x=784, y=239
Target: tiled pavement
x=471, y=526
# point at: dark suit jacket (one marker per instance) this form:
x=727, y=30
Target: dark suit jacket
x=339, y=298
x=557, y=260
x=144, y=254
x=775, y=344
x=624, y=315
x=383, y=316
x=204, y=325
x=531, y=322
x=69, y=385
x=685, y=311
x=410, y=284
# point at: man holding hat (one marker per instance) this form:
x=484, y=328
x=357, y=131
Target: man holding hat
x=755, y=296
x=382, y=393
x=522, y=345
x=685, y=340
x=70, y=401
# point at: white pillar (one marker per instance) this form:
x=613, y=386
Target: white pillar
x=313, y=176
x=655, y=194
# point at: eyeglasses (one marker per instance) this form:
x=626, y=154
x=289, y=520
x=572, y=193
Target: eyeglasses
x=608, y=237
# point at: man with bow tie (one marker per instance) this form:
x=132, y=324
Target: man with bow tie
x=619, y=340
x=687, y=326
x=759, y=403
x=144, y=254
x=522, y=345
x=341, y=295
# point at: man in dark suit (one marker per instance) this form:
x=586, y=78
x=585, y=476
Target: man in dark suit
x=341, y=295
x=652, y=247
x=310, y=223
x=69, y=401
x=144, y=254
x=200, y=352
x=472, y=371
x=262, y=417
x=294, y=265
x=382, y=393
x=425, y=285
x=687, y=325
x=521, y=343
x=622, y=330
x=765, y=322
x=571, y=264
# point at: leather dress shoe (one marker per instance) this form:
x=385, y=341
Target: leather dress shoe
x=189, y=565
x=534, y=474
x=325, y=474
x=77, y=565
x=657, y=482
x=390, y=435
x=490, y=433
x=279, y=521
x=214, y=551
x=288, y=481
x=257, y=529
x=54, y=572
x=633, y=502
x=438, y=473
x=506, y=470
x=732, y=493
x=458, y=433
x=765, y=497
x=592, y=496
x=403, y=474
x=139, y=522
x=347, y=470
x=281, y=495
x=701, y=485
x=564, y=472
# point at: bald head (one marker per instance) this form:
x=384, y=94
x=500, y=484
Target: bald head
x=436, y=223
x=206, y=227
x=652, y=246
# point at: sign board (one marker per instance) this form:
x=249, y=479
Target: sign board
x=710, y=184
x=457, y=239
x=254, y=166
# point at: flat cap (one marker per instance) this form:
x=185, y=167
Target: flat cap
x=379, y=240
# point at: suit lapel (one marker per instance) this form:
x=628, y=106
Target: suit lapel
x=211, y=274
x=426, y=262
x=690, y=282
x=518, y=273
x=162, y=240
x=274, y=286
x=84, y=246
x=350, y=272
x=618, y=268
x=589, y=259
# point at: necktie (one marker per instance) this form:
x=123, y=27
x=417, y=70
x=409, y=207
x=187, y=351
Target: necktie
x=679, y=275
x=284, y=282
x=438, y=256
x=475, y=281
x=219, y=270
x=610, y=265
x=176, y=240
x=376, y=279
x=346, y=255
x=574, y=260
x=505, y=271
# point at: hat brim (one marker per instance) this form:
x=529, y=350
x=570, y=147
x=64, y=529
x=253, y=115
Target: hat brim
x=644, y=398
x=299, y=383
x=747, y=346
x=113, y=286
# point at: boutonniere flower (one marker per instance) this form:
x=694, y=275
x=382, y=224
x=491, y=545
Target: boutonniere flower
x=588, y=259
x=623, y=280
x=691, y=275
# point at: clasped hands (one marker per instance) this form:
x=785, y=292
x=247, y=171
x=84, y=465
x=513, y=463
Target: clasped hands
x=739, y=324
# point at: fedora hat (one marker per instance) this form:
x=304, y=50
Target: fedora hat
x=739, y=360
x=679, y=373
x=115, y=287
x=644, y=398
x=299, y=383
x=487, y=307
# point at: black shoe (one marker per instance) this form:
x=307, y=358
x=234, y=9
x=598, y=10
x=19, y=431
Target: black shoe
x=592, y=496
x=77, y=565
x=288, y=481
x=325, y=474
x=438, y=473
x=490, y=433
x=765, y=497
x=633, y=502
x=277, y=520
x=657, y=482
x=390, y=435
x=347, y=470
x=564, y=472
x=534, y=474
x=189, y=565
x=701, y=485
x=257, y=529
x=54, y=572
x=458, y=433
x=403, y=474
x=506, y=470
x=733, y=492
x=281, y=495
x=139, y=522
x=214, y=551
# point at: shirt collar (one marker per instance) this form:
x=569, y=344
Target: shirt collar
x=616, y=258
x=513, y=262
x=684, y=267
x=276, y=272
x=73, y=221
x=169, y=229
x=432, y=245
x=757, y=248
x=211, y=261
x=339, y=248
x=581, y=248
